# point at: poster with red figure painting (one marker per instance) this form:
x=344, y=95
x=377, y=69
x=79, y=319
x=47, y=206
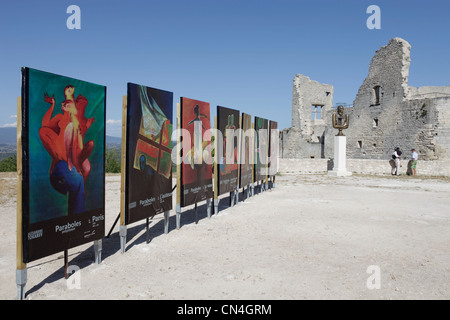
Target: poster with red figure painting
x=63, y=163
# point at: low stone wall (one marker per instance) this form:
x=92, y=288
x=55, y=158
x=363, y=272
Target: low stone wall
x=361, y=166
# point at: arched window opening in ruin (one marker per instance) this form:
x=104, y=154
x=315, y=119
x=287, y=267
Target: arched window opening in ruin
x=376, y=91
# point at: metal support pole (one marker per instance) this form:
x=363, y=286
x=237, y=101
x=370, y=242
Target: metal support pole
x=166, y=222
x=98, y=251
x=178, y=215
x=196, y=213
x=208, y=207
x=232, y=198
x=66, y=264
x=216, y=206
x=21, y=281
x=147, y=231
x=123, y=238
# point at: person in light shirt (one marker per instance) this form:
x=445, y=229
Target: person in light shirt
x=414, y=157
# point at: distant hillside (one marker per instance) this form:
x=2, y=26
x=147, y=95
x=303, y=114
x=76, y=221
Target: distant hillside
x=113, y=141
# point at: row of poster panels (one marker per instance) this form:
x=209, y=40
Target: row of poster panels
x=62, y=126
x=247, y=152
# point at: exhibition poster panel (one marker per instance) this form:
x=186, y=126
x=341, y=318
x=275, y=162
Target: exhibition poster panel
x=63, y=163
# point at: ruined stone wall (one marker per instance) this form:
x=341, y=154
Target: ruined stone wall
x=386, y=113
x=305, y=94
x=402, y=116
x=429, y=92
x=374, y=129
x=293, y=144
x=442, y=132
x=305, y=139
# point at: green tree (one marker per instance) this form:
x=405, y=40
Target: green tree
x=112, y=160
x=8, y=164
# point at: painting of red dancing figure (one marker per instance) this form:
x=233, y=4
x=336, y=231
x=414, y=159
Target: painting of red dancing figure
x=62, y=137
x=63, y=147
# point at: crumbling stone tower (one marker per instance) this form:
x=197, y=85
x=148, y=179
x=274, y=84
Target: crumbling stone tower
x=312, y=103
x=388, y=113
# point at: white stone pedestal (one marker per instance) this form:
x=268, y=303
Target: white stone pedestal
x=340, y=148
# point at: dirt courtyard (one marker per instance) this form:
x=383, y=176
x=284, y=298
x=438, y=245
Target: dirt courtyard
x=311, y=237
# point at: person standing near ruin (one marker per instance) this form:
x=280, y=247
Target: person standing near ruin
x=396, y=156
x=414, y=157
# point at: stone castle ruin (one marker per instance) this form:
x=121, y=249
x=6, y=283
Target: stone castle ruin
x=386, y=113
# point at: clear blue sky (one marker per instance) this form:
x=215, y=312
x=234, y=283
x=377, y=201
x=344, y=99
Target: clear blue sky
x=240, y=54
